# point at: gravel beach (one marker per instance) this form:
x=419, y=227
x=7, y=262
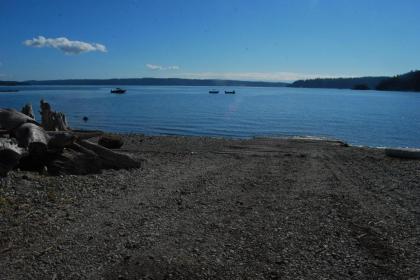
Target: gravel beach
x=209, y=208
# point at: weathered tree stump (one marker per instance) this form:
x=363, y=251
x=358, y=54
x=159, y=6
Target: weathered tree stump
x=52, y=121
x=27, y=110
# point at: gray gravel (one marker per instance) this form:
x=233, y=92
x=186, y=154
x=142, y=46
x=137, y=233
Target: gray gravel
x=206, y=208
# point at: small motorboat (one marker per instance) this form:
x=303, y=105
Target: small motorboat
x=213, y=91
x=118, y=90
x=229, y=92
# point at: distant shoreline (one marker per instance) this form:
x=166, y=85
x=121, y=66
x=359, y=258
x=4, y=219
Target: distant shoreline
x=145, y=82
x=406, y=82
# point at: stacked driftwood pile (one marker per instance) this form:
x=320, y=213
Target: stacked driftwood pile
x=51, y=146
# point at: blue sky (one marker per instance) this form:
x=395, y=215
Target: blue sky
x=234, y=39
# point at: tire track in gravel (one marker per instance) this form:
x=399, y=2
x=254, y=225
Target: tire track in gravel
x=223, y=229
x=156, y=208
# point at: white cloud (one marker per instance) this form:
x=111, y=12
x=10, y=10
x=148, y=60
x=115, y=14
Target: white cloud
x=65, y=45
x=160, y=67
x=255, y=76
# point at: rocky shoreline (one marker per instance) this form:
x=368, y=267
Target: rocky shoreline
x=208, y=208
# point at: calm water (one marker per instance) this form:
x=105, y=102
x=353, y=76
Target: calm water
x=360, y=117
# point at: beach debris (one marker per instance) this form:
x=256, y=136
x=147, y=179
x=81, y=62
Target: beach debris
x=10, y=155
x=50, y=120
x=32, y=137
x=53, y=145
x=111, y=141
x=11, y=119
x=27, y=110
x=405, y=153
x=110, y=158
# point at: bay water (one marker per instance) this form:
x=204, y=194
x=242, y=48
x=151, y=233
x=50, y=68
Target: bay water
x=369, y=118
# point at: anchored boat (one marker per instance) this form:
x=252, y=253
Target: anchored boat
x=229, y=92
x=118, y=90
x=213, y=91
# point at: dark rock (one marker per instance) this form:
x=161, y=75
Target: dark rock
x=111, y=141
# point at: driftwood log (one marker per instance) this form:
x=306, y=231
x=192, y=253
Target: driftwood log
x=110, y=158
x=11, y=119
x=111, y=141
x=32, y=137
x=79, y=134
x=75, y=160
x=52, y=145
x=59, y=141
x=10, y=155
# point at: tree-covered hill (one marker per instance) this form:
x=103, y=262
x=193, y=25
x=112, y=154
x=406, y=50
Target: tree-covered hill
x=406, y=82
x=340, y=83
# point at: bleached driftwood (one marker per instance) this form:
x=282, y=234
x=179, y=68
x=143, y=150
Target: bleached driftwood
x=79, y=134
x=110, y=158
x=52, y=121
x=32, y=137
x=111, y=141
x=61, y=140
x=10, y=154
x=11, y=119
x=53, y=145
x=75, y=160
x=27, y=110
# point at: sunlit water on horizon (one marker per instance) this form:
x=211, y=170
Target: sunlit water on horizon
x=370, y=118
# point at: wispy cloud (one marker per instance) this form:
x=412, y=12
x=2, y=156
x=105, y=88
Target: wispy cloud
x=65, y=45
x=255, y=76
x=160, y=67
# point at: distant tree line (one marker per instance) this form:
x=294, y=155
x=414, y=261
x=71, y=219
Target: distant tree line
x=340, y=83
x=159, y=82
x=12, y=83
x=361, y=87
x=406, y=82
